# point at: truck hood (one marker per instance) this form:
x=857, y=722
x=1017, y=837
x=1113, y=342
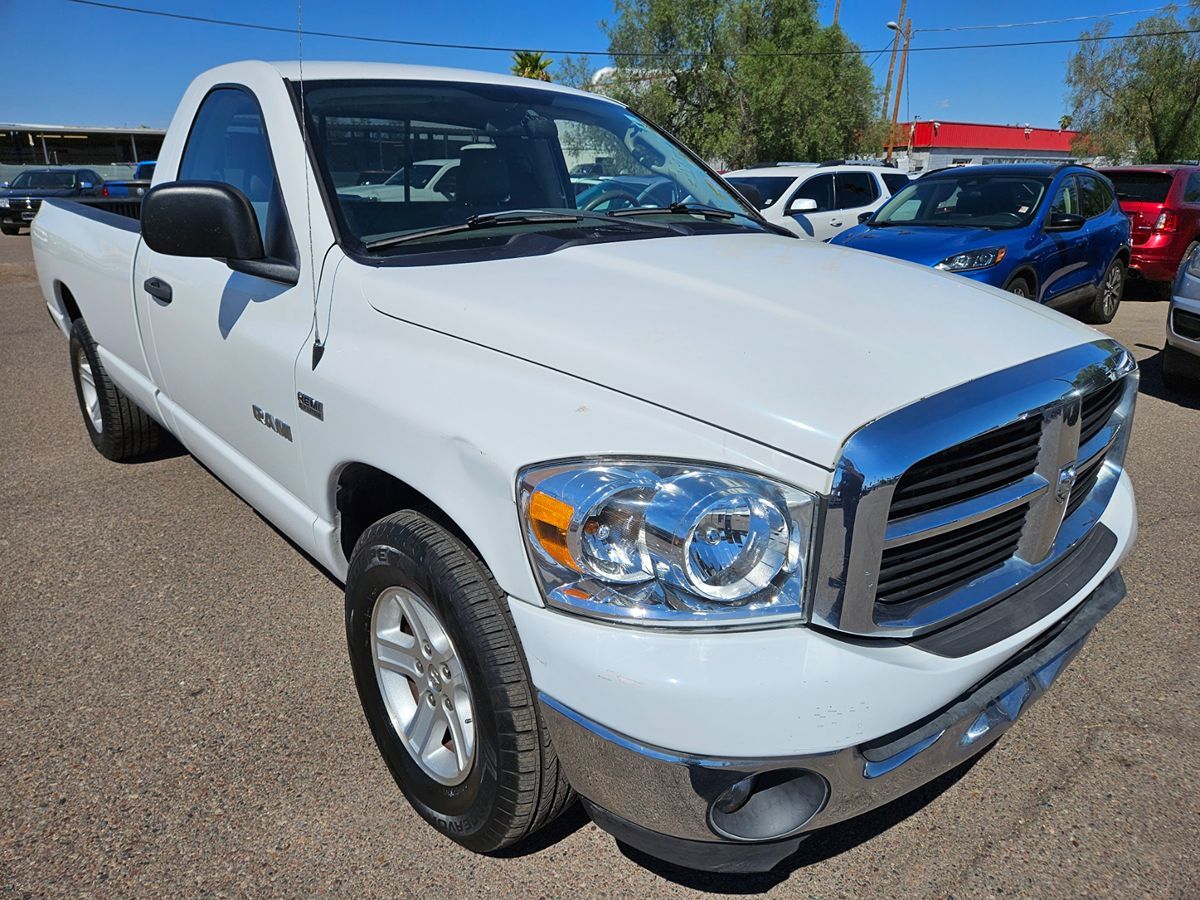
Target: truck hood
x=794, y=344
x=927, y=245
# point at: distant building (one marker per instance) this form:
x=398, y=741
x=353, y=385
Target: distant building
x=937, y=144
x=23, y=144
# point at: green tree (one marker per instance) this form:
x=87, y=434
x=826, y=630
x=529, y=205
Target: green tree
x=1139, y=99
x=530, y=64
x=718, y=74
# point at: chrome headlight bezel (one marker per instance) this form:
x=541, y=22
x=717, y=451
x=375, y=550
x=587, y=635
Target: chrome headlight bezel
x=658, y=583
x=971, y=260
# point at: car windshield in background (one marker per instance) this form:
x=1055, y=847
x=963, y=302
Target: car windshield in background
x=464, y=157
x=770, y=187
x=45, y=180
x=1141, y=187
x=967, y=200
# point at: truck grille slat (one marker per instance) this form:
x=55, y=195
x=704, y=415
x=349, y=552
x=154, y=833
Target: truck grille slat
x=956, y=556
x=1098, y=406
x=1085, y=480
x=970, y=469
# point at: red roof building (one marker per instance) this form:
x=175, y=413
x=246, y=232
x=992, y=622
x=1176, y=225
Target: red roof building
x=934, y=145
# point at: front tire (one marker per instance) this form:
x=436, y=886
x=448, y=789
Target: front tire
x=1020, y=287
x=429, y=632
x=10, y=229
x=1102, y=309
x=118, y=427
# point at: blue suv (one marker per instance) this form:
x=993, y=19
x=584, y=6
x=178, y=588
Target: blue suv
x=1054, y=234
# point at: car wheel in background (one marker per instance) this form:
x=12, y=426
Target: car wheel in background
x=1102, y=309
x=10, y=229
x=1020, y=287
x=118, y=427
x=442, y=679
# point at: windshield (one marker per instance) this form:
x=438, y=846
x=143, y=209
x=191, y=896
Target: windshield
x=1141, y=187
x=966, y=200
x=45, y=180
x=499, y=149
x=770, y=187
x=417, y=175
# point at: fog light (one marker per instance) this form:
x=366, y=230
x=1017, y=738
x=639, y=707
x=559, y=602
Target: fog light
x=768, y=805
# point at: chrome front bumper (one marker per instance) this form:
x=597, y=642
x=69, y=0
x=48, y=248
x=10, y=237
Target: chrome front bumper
x=701, y=811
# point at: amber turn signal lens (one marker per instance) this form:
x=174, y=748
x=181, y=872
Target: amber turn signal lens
x=551, y=518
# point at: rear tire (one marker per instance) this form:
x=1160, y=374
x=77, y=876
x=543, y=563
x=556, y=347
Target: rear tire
x=427, y=623
x=1102, y=309
x=10, y=229
x=119, y=429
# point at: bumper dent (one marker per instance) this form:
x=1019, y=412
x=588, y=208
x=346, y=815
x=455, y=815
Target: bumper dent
x=707, y=799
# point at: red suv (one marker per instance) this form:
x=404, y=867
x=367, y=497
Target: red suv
x=1163, y=204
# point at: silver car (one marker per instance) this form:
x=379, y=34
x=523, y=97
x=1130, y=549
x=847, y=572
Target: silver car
x=1181, y=358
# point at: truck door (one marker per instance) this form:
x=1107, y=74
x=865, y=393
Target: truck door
x=224, y=343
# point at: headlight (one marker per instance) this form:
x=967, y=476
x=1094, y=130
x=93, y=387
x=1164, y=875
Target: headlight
x=972, y=259
x=1193, y=267
x=668, y=543
x=3, y=203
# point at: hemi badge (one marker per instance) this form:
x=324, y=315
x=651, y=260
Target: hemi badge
x=314, y=408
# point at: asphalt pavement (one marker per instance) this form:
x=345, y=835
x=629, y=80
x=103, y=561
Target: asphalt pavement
x=178, y=715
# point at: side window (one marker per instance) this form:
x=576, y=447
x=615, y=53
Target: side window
x=1066, y=200
x=1095, y=196
x=1191, y=190
x=228, y=143
x=856, y=189
x=895, y=182
x=818, y=188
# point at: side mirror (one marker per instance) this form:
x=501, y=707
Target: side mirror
x=865, y=217
x=4, y=184
x=751, y=195
x=213, y=219
x=801, y=205
x=1061, y=221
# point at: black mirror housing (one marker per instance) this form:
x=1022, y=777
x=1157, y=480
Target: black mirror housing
x=865, y=217
x=1061, y=221
x=201, y=218
x=751, y=195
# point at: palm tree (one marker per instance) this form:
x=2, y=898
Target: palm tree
x=1064, y=123
x=530, y=64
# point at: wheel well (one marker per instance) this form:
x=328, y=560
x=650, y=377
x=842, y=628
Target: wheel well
x=366, y=494
x=1029, y=275
x=67, y=300
x=1123, y=256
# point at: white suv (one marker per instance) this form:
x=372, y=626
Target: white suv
x=817, y=201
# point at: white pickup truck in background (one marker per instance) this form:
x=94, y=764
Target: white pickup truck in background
x=733, y=535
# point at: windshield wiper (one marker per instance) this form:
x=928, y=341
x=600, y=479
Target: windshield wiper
x=692, y=209
x=481, y=221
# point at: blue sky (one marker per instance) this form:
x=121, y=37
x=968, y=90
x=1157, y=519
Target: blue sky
x=70, y=64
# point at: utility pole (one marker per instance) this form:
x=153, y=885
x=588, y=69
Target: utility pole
x=887, y=90
x=837, y=8
x=899, y=87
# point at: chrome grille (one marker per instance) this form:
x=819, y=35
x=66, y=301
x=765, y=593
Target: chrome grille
x=938, y=564
x=937, y=512
x=971, y=469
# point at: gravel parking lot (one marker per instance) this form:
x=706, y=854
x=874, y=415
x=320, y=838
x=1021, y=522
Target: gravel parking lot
x=179, y=716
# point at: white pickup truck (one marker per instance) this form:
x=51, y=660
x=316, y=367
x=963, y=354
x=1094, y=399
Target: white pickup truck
x=732, y=535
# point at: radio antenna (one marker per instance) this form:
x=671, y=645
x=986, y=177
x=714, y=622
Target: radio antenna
x=318, y=342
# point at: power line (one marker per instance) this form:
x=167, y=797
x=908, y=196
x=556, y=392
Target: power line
x=440, y=45
x=1069, y=19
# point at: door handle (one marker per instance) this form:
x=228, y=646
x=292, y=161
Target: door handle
x=158, y=289
x=836, y=223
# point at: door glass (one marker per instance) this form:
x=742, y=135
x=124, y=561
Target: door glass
x=1067, y=199
x=818, y=188
x=855, y=189
x=1094, y=195
x=1191, y=191
x=228, y=143
x=895, y=182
